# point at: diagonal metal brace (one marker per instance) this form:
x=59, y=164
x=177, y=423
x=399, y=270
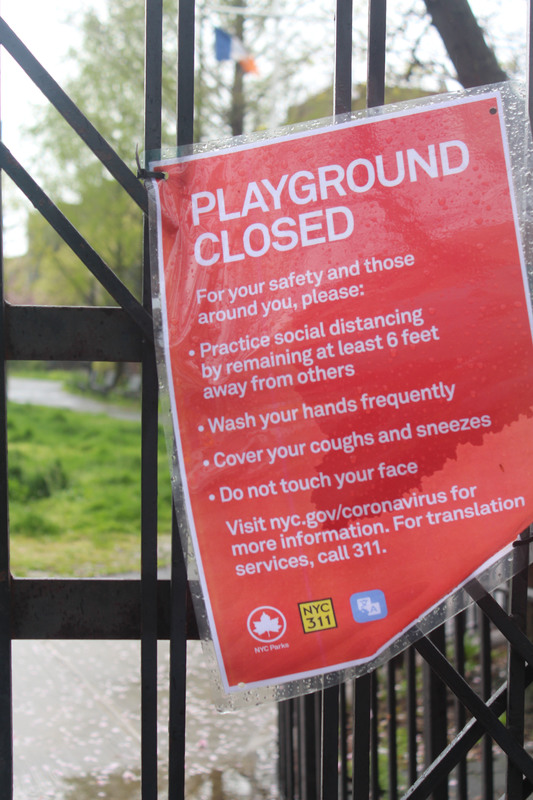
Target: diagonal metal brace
x=458, y=749
x=94, y=263
x=440, y=664
x=71, y=113
x=503, y=621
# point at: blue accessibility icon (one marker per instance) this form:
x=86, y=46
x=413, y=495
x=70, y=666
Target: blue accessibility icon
x=368, y=606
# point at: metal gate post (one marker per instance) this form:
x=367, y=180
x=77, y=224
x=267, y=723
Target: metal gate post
x=516, y=670
x=6, y=708
x=178, y=620
x=435, y=712
x=361, y=737
x=329, y=774
x=309, y=755
x=149, y=419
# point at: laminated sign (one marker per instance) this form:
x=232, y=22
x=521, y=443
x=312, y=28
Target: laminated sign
x=345, y=331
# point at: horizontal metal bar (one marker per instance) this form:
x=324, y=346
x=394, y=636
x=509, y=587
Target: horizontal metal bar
x=70, y=333
x=71, y=113
x=87, y=608
x=94, y=263
x=476, y=706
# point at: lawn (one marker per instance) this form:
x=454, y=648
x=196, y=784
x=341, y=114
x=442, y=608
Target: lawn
x=74, y=489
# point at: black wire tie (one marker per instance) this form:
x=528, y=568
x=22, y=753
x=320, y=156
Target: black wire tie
x=519, y=542
x=142, y=174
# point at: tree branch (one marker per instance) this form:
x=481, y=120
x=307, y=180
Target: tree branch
x=463, y=38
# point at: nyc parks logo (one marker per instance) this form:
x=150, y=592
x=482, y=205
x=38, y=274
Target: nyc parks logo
x=266, y=624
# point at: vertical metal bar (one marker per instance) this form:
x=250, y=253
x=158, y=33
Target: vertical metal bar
x=301, y=765
x=149, y=420
x=149, y=576
x=375, y=786
x=530, y=59
x=318, y=754
x=293, y=778
x=153, y=69
x=178, y=633
x=361, y=738
x=330, y=744
x=391, y=730
x=286, y=752
x=435, y=717
x=307, y=748
x=516, y=678
x=178, y=669
x=343, y=744
x=6, y=707
x=411, y=715
x=343, y=57
x=487, y=774
x=282, y=747
x=185, y=90
x=459, y=628
x=377, y=35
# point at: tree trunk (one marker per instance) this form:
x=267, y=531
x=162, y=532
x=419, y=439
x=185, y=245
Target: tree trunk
x=237, y=103
x=237, y=91
x=472, y=58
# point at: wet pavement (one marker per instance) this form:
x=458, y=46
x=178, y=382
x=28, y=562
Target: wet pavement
x=77, y=727
x=76, y=712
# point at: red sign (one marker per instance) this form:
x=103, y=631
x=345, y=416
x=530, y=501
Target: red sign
x=349, y=353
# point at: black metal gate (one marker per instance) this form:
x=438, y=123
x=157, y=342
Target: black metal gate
x=408, y=728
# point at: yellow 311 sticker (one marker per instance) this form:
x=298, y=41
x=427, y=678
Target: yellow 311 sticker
x=317, y=615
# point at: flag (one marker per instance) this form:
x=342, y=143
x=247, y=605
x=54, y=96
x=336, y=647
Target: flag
x=229, y=47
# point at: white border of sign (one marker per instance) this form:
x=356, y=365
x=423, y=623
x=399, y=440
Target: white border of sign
x=517, y=142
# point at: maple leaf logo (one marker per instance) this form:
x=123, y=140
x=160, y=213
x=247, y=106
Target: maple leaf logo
x=267, y=624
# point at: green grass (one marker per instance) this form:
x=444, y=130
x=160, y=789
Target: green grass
x=74, y=489
x=43, y=369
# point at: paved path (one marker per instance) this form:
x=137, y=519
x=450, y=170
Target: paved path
x=37, y=391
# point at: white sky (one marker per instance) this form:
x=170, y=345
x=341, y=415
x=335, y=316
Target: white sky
x=44, y=29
